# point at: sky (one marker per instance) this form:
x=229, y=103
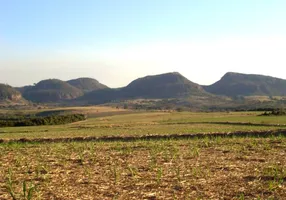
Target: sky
x=117, y=41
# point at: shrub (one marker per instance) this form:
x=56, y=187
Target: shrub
x=38, y=121
x=275, y=112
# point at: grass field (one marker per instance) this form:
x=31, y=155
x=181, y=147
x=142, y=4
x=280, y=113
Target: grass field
x=151, y=123
x=205, y=168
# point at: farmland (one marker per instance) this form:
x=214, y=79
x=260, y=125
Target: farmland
x=174, y=167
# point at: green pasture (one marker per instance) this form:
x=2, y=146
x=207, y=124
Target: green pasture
x=152, y=123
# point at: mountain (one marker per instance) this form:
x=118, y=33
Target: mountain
x=9, y=94
x=51, y=90
x=163, y=86
x=234, y=84
x=169, y=85
x=87, y=84
x=24, y=88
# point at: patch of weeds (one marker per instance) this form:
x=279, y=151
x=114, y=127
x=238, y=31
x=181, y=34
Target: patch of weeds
x=115, y=173
x=17, y=161
x=87, y=173
x=178, y=173
x=197, y=171
x=241, y=196
x=9, y=185
x=153, y=159
x=267, y=146
x=194, y=152
x=174, y=152
x=132, y=171
x=273, y=185
x=276, y=171
x=159, y=175
x=126, y=150
x=206, y=142
x=123, y=149
x=275, y=175
x=27, y=190
x=41, y=172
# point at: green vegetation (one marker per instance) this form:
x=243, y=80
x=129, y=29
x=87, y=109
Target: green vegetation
x=217, y=168
x=141, y=123
x=39, y=121
x=26, y=193
x=171, y=153
x=229, y=166
x=275, y=112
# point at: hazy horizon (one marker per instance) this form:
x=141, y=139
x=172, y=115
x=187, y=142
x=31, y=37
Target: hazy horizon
x=117, y=42
x=134, y=79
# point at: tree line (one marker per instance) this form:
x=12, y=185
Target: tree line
x=39, y=121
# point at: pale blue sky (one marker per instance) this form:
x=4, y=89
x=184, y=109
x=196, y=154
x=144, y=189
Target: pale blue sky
x=116, y=41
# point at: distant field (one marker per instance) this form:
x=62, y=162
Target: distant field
x=265, y=98
x=206, y=168
x=122, y=123
x=89, y=110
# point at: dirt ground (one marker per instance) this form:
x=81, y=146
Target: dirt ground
x=217, y=168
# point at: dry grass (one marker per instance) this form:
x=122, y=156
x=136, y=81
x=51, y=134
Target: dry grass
x=237, y=168
x=206, y=168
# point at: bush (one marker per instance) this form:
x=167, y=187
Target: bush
x=39, y=121
x=275, y=112
x=180, y=109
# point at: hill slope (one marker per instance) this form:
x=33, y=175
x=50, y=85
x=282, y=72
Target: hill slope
x=86, y=84
x=170, y=85
x=51, y=90
x=9, y=94
x=233, y=84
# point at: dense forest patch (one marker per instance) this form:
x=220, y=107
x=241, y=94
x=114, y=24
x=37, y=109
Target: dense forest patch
x=38, y=121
